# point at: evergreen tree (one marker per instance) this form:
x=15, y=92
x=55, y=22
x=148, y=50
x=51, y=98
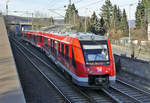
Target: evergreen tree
x=67, y=15
x=99, y=27
x=147, y=10
x=93, y=22
x=119, y=14
x=106, y=13
x=115, y=21
x=71, y=15
x=137, y=16
x=146, y=4
x=124, y=23
x=51, y=21
x=93, y=18
x=140, y=16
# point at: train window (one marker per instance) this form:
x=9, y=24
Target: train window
x=39, y=38
x=73, y=59
x=56, y=45
x=31, y=37
x=59, y=47
x=34, y=38
x=67, y=52
x=51, y=44
x=62, y=49
x=46, y=41
x=25, y=35
x=95, y=52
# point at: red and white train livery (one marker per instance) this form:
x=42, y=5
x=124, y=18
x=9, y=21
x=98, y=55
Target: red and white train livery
x=87, y=58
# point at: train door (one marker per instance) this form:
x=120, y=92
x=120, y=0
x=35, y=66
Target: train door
x=34, y=38
x=55, y=48
x=72, y=61
x=28, y=36
x=48, y=45
x=45, y=42
x=67, y=55
x=58, y=51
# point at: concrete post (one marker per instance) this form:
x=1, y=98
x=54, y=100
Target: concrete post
x=149, y=31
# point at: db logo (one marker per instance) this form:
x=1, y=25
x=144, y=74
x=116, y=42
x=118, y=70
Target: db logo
x=99, y=69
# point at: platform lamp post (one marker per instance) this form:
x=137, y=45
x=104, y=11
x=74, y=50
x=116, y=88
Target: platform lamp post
x=131, y=46
x=7, y=1
x=129, y=22
x=32, y=21
x=148, y=28
x=7, y=7
x=85, y=29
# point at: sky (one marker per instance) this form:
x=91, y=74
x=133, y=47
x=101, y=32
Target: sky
x=48, y=8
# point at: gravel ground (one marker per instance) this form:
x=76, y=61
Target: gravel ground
x=35, y=87
x=139, y=82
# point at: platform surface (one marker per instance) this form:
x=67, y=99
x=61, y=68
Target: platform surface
x=10, y=87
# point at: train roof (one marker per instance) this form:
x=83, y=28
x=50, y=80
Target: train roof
x=89, y=36
x=79, y=35
x=82, y=36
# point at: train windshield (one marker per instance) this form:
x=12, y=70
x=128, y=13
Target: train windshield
x=96, y=53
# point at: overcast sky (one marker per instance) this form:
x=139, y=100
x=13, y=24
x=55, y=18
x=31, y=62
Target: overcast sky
x=85, y=7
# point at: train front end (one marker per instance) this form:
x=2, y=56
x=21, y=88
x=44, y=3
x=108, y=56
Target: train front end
x=99, y=62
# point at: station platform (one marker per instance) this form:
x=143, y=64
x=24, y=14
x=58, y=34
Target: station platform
x=10, y=87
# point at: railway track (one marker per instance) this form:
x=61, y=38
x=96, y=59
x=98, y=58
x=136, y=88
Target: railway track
x=139, y=82
x=70, y=92
x=120, y=92
x=127, y=93
x=134, y=92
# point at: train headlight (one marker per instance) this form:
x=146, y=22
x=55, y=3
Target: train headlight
x=89, y=69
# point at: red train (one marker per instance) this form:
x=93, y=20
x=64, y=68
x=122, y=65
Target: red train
x=87, y=58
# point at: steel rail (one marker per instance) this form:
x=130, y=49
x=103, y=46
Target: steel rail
x=89, y=99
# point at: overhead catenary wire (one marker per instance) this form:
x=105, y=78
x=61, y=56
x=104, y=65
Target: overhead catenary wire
x=134, y=3
x=52, y=4
x=90, y=4
x=78, y=1
x=62, y=8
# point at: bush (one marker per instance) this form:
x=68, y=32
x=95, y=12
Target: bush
x=117, y=34
x=139, y=34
